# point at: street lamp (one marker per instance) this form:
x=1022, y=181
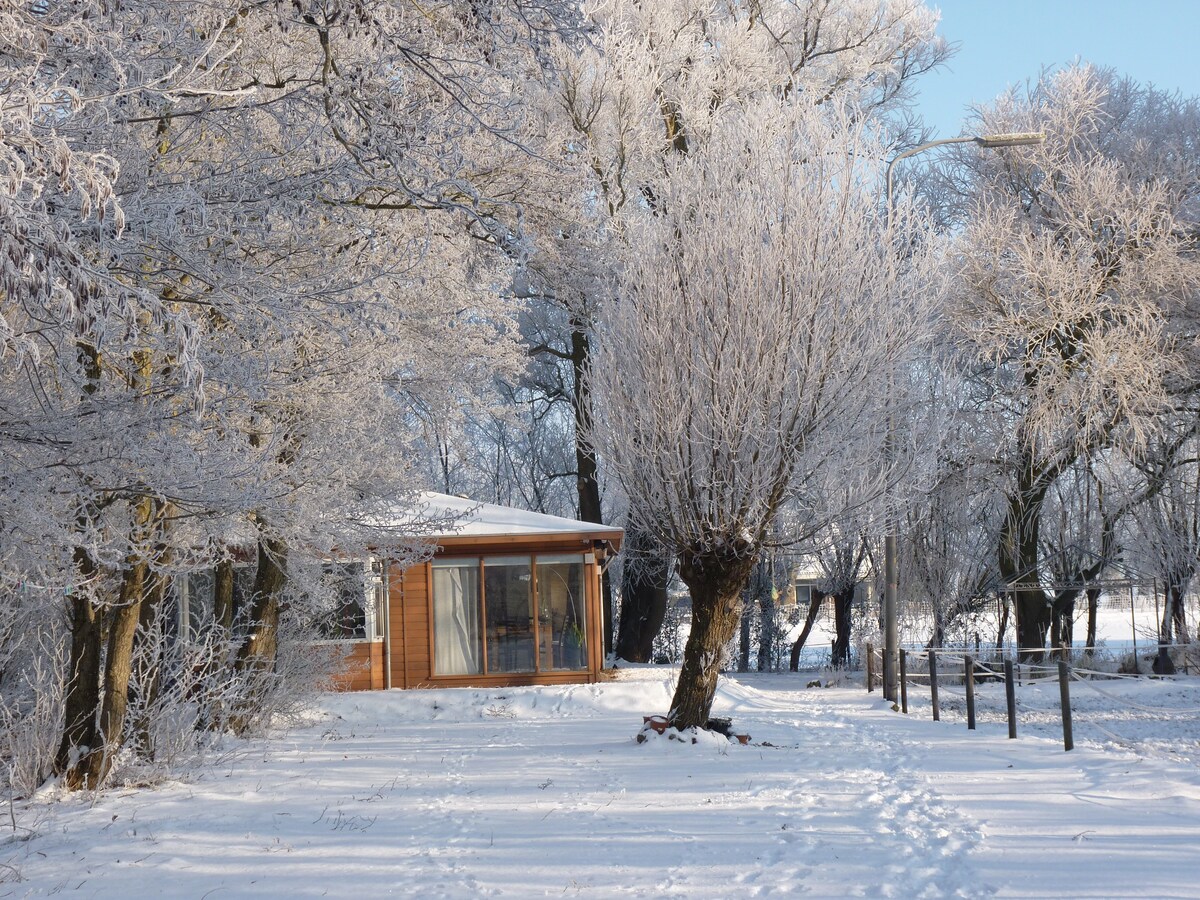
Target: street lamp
x=891, y=650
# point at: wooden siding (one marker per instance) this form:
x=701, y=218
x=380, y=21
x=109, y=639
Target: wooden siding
x=408, y=614
x=409, y=653
x=362, y=669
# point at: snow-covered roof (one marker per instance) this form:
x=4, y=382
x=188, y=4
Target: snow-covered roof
x=475, y=519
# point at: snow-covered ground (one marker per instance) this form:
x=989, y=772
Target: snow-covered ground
x=543, y=791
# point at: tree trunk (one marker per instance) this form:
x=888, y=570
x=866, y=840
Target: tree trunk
x=1062, y=624
x=149, y=644
x=587, y=484
x=1003, y=601
x=1174, y=624
x=223, y=611
x=766, y=628
x=82, y=696
x=1019, y=557
x=937, y=637
x=843, y=603
x=81, y=699
x=744, y=631
x=643, y=596
x=814, y=609
x=715, y=580
x=118, y=665
x=1093, y=598
x=257, y=651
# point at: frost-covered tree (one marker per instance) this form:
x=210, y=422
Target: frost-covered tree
x=753, y=339
x=1162, y=532
x=949, y=526
x=647, y=86
x=307, y=229
x=1078, y=285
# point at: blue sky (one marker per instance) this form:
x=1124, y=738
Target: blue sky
x=1005, y=42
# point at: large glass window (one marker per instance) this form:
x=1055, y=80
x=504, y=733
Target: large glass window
x=508, y=599
x=562, y=612
x=456, y=636
x=488, y=617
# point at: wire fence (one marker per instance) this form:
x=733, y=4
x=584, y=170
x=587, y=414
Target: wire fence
x=955, y=680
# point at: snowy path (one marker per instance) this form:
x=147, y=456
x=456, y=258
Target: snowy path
x=536, y=792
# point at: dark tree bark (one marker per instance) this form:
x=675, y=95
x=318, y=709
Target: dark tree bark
x=759, y=599
x=148, y=656
x=1062, y=627
x=1093, y=599
x=1174, y=622
x=118, y=665
x=257, y=651
x=223, y=611
x=843, y=604
x=1003, y=601
x=82, y=698
x=766, y=628
x=715, y=579
x=93, y=737
x=1018, y=557
x=587, y=484
x=643, y=596
x=814, y=609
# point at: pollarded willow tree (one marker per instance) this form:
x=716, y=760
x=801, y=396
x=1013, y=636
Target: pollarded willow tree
x=642, y=90
x=765, y=309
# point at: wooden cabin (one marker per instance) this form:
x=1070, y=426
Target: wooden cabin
x=509, y=598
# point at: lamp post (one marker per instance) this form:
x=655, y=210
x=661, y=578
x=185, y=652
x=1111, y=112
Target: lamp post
x=891, y=576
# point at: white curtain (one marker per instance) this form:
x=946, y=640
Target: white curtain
x=456, y=619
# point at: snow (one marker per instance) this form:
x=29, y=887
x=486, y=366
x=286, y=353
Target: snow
x=537, y=791
x=475, y=518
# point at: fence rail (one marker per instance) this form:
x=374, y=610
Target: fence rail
x=947, y=667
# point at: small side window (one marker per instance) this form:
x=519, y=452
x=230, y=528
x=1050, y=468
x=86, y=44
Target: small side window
x=347, y=618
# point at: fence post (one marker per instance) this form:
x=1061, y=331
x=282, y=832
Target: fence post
x=969, y=675
x=870, y=668
x=903, y=681
x=933, y=685
x=1010, y=694
x=1064, y=690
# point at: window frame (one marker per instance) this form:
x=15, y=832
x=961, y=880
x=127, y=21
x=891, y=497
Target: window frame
x=374, y=618
x=557, y=555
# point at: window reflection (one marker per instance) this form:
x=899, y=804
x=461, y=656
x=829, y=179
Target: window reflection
x=562, y=617
x=486, y=620
x=456, y=644
x=508, y=599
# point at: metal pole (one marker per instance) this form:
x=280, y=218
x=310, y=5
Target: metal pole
x=891, y=631
x=1064, y=691
x=969, y=676
x=870, y=668
x=903, y=682
x=933, y=686
x=890, y=635
x=1010, y=695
